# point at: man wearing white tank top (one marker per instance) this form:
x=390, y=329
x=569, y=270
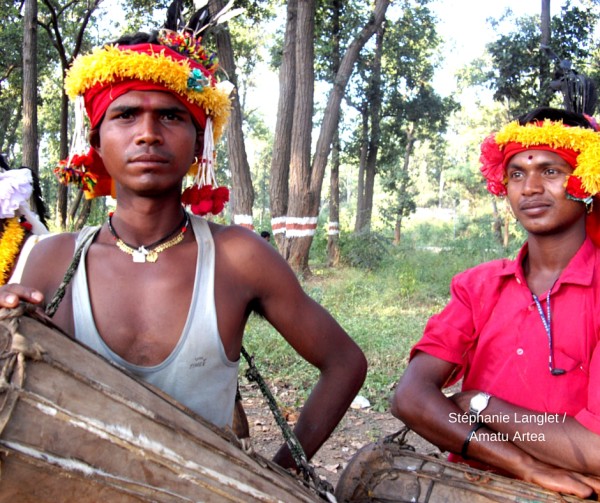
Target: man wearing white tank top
x=162, y=292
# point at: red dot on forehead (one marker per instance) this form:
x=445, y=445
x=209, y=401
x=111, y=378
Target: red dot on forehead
x=530, y=157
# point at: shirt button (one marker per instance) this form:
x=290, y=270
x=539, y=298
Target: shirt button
x=520, y=351
x=531, y=307
x=519, y=281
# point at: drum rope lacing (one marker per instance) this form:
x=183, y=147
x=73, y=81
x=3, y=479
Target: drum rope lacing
x=322, y=487
x=20, y=347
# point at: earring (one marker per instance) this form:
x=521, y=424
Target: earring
x=193, y=169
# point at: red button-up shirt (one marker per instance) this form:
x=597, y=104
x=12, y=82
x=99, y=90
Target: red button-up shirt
x=492, y=330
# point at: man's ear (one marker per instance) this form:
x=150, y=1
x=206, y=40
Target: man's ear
x=94, y=138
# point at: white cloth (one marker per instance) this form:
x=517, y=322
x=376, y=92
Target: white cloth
x=16, y=186
x=25, y=251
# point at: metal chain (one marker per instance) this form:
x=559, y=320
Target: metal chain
x=323, y=487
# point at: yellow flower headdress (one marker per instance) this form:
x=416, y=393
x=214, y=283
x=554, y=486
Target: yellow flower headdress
x=177, y=64
x=111, y=65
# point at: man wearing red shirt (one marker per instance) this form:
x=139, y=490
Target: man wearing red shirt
x=523, y=334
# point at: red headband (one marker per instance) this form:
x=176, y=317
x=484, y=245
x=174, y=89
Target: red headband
x=513, y=148
x=99, y=97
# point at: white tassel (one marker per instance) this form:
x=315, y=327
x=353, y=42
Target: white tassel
x=79, y=143
x=206, y=168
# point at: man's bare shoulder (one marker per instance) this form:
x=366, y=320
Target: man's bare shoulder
x=56, y=246
x=245, y=253
x=48, y=261
x=235, y=239
x=232, y=231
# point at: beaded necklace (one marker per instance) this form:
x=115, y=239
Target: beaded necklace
x=547, y=322
x=149, y=253
x=10, y=246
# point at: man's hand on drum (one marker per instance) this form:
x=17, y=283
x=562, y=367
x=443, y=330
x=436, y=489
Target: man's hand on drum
x=557, y=479
x=559, y=451
x=13, y=293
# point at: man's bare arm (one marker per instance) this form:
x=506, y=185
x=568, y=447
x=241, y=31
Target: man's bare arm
x=43, y=273
x=313, y=333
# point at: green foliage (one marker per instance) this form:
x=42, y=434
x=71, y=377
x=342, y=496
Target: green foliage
x=517, y=63
x=413, y=112
x=340, y=21
x=365, y=250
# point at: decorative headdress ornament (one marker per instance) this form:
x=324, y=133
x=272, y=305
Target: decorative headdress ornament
x=178, y=64
x=578, y=146
x=16, y=187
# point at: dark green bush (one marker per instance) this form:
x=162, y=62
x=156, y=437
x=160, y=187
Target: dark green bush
x=365, y=250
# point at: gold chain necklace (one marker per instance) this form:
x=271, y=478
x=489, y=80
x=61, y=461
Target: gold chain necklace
x=150, y=253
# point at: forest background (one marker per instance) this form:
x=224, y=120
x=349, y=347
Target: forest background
x=368, y=179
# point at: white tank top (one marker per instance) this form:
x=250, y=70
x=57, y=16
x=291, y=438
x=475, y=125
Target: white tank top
x=197, y=373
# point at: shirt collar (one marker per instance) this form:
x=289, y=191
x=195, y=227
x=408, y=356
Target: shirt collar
x=579, y=271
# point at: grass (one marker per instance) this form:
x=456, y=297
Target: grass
x=383, y=308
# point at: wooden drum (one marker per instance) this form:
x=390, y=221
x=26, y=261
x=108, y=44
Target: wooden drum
x=390, y=471
x=75, y=428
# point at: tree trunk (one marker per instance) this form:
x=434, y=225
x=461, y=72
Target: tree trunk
x=300, y=247
x=9, y=120
x=374, y=95
x=9, y=133
x=398, y=231
x=243, y=192
x=74, y=207
x=403, y=186
x=546, y=93
x=84, y=213
x=333, y=232
x=300, y=223
x=280, y=162
x=362, y=167
x=30, y=136
x=63, y=193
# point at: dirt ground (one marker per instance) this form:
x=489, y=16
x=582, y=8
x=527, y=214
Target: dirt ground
x=358, y=428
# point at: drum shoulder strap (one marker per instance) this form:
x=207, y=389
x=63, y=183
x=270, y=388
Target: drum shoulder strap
x=52, y=306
